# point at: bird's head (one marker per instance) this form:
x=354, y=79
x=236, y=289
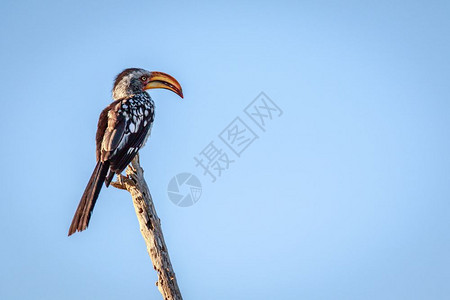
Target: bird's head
x=133, y=81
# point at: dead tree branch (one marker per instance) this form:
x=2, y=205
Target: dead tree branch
x=150, y=226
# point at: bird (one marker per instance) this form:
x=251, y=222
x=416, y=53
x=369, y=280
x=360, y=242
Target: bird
x=123, y=129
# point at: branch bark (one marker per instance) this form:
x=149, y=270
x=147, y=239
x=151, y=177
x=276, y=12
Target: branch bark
x=150, y=226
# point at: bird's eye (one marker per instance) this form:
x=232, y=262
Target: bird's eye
x=143, y=78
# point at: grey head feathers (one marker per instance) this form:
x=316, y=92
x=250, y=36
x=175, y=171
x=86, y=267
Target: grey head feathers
x=128, y=83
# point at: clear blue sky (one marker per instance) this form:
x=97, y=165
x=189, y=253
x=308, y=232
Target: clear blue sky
x=345, y=196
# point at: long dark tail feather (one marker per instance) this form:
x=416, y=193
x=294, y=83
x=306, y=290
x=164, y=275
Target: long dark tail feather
x=109, y=177
x=81, y=218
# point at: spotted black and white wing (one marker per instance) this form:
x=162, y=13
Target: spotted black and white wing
x=126, y=125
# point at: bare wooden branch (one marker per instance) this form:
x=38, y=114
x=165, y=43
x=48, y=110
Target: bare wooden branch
x=150, y=226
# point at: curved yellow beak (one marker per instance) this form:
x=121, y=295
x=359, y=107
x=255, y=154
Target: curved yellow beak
x=160, y=80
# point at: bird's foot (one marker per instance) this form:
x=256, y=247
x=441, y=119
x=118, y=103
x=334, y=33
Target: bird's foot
x=121, y=182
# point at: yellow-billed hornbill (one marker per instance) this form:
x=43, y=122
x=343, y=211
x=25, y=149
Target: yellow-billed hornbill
x=123, y=129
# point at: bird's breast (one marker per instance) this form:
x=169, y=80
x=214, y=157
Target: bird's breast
x=138, y=112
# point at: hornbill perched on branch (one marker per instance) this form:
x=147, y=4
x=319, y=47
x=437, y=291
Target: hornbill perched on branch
x=123, y=129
